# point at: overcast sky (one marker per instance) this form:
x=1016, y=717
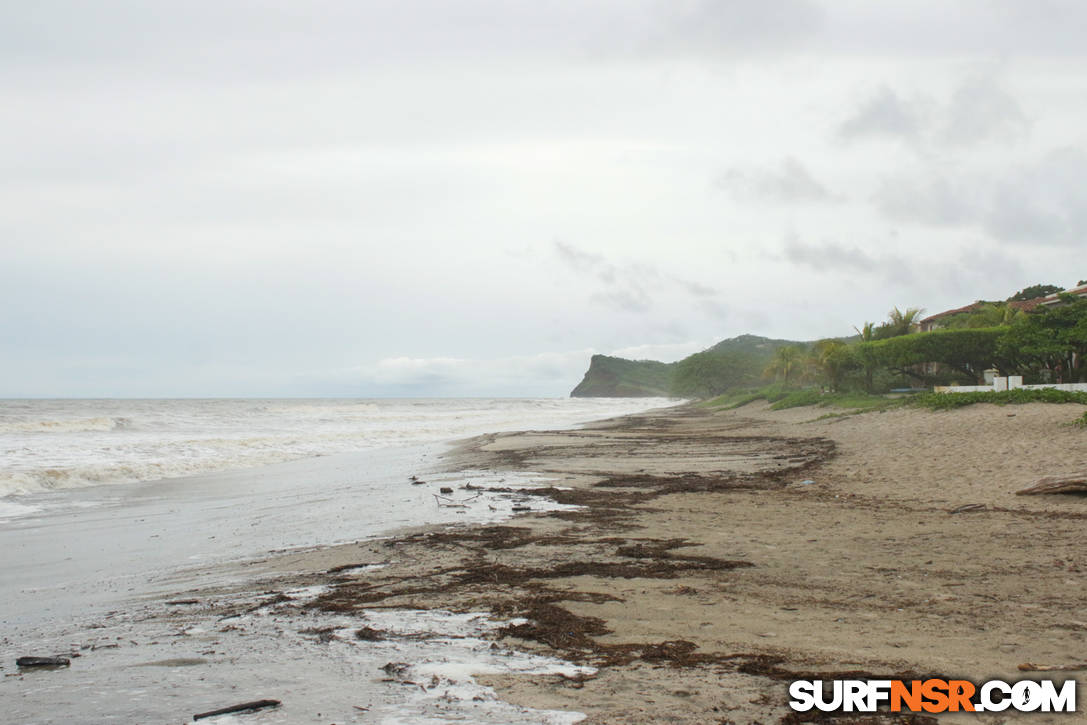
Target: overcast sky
x=470, y=197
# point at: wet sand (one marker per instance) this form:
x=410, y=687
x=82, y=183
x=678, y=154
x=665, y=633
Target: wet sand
x=717, y=556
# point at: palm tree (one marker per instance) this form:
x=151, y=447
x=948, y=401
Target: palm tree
x=903, y=322
x=787, y=359
x=831, y=358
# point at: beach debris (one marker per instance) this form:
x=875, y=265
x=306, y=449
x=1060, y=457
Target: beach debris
x=1032, y=667
x=445, y=489
x=416, y=481
x=369, y=634
x=521, y=508
x=176, y=662
x=576, y=681
x=1075, y=483
x=43, y=662
x=324, y=635
x=396, y=669
x=967, y=508
x=806, y=482
x=454, y=503
x=349, y=567
x=242, y=707
x=178, y=602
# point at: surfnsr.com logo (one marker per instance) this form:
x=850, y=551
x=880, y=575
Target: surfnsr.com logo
x=932, y=695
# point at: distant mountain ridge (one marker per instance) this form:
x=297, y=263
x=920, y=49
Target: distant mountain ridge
x=735, y=362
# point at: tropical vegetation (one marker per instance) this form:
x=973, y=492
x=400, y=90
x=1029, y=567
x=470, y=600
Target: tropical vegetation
x=1042, y=343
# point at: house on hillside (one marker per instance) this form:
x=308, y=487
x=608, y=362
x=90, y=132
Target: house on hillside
x=1054, y=299
x=935, y=322
x=943, y=319
x=939, y=320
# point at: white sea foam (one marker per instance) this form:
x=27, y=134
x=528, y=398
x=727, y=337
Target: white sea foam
x=60, y=444
x=10, y=508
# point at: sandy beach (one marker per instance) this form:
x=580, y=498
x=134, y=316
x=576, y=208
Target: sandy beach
x=718, y=556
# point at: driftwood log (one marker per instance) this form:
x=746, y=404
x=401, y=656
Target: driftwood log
x=43, y=662
x=243, y=707
x=1076, y=483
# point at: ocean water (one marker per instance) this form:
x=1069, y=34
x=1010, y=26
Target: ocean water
x=110, y=506
x=47, y=445
x=108, y=499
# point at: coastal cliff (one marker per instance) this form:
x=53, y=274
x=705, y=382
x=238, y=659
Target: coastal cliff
x=616, y=377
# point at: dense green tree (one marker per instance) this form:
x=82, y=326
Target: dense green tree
x=1034, y=291
x=1053, y=338
x=867, y=363
x=968, y=352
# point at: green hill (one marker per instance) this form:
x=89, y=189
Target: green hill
x=733, y=363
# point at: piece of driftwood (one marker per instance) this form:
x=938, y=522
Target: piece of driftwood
x=43, y=662
x=1032, y=667
x=1076, y=483
x=967, y=508
x=243, y=707
x=454, y=503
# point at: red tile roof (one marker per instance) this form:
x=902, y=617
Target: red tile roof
x=968, y=308
x=1026, y=305
x=1080, y=291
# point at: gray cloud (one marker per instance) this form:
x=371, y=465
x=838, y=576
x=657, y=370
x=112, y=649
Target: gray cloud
x=884, y=114
x=632, y=287
x=969, y=270
x=734, y=27
x=1044, y=203
x=788, y=183
x=830, y=256
x=625, y=288
x=282, y=39
x=932, y=200
x=980, y=110
x=1040, y=203
x=985, y=28
x=225, y=41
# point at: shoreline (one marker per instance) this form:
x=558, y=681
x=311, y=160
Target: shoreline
x=718, y=555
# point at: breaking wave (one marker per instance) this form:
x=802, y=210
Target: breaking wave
x=62, y=444
x=66, y=425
